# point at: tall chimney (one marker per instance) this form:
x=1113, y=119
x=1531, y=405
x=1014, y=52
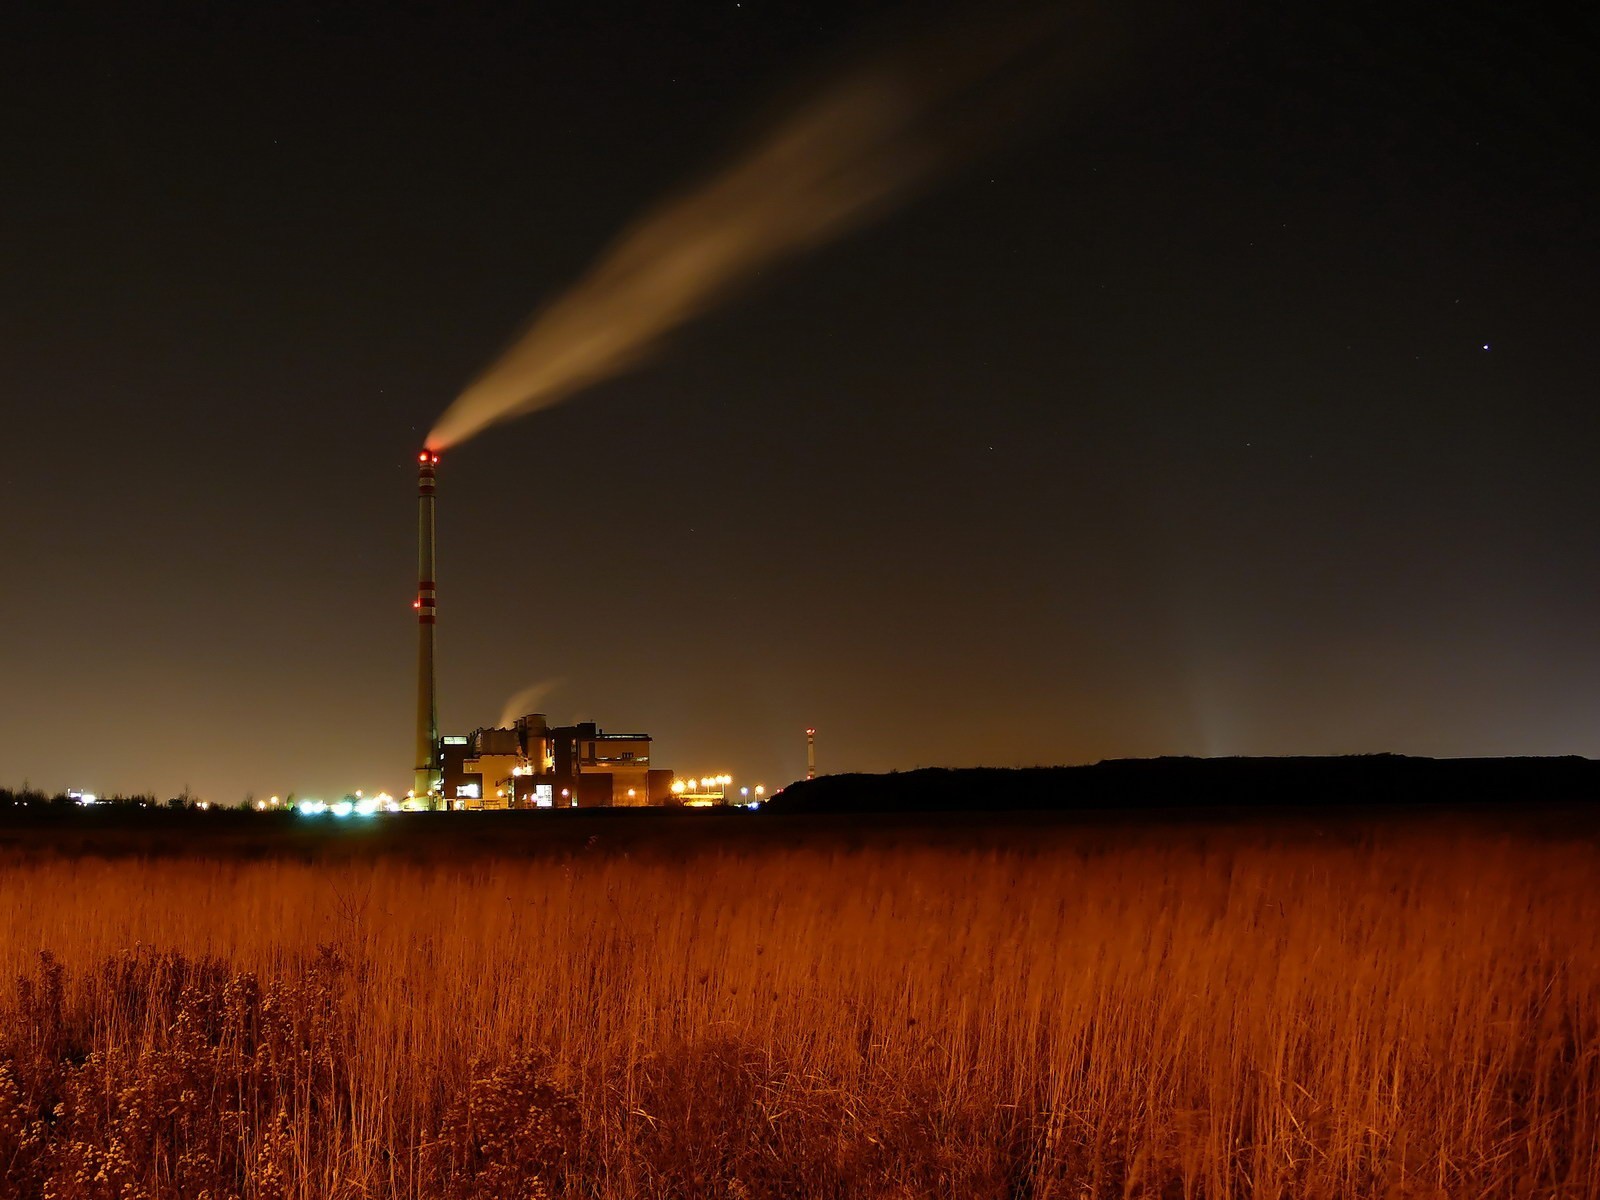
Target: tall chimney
x=811, y=753
x=426, y=783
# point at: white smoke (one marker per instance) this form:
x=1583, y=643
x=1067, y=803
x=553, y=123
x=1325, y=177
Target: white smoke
x=529, y=700
x=857, y=145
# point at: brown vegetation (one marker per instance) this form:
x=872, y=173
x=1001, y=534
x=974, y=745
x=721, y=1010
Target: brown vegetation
x=1404, y=1015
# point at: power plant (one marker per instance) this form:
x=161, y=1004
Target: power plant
x=532, y=764
x=536, y=765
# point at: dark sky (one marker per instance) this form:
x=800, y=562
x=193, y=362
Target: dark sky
x=1245, y=405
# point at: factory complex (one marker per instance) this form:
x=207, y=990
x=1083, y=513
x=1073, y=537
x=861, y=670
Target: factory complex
x=535, y=765
x=532, y=764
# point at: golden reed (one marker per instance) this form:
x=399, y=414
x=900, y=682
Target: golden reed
x=1399, y=1014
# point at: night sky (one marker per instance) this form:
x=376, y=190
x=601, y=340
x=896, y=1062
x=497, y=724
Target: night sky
x=1244, y=403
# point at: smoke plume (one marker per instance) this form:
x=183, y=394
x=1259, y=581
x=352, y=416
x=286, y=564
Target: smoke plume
x=850, y=150
x=520, y=704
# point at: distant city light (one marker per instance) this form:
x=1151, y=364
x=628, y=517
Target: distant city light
x=312, y=808
x=342, y=809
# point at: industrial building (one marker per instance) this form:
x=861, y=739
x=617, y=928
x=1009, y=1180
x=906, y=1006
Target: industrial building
x=530, y=765
x=536, y=765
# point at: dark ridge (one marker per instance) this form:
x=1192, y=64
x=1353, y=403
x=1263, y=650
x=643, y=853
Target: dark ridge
x=1279, y=799
x=1283, y=784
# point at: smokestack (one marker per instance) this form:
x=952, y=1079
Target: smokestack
x=426, y=782
x=811, y=753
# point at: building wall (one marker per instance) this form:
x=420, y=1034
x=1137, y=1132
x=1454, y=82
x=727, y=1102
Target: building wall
x=570, y=746
x=497, y=781
x=625, y=751
x=594, y=790
x=453, y=752
x=496, y=741
x=627, y=778
x=659, y=783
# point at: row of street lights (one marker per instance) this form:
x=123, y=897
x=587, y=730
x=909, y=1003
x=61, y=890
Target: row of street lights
x=712, y=789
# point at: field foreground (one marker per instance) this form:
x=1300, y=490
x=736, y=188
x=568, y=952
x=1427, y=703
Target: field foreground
x=1217, y=1013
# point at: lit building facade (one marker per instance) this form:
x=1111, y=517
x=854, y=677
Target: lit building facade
x=535, y=765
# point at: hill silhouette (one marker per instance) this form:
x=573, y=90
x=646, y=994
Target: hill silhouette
x=1285, y=784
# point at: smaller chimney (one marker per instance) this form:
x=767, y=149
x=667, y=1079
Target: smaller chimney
x=811, y=753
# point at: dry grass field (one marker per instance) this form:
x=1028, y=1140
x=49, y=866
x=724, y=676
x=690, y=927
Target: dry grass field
x=1396, y=1013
